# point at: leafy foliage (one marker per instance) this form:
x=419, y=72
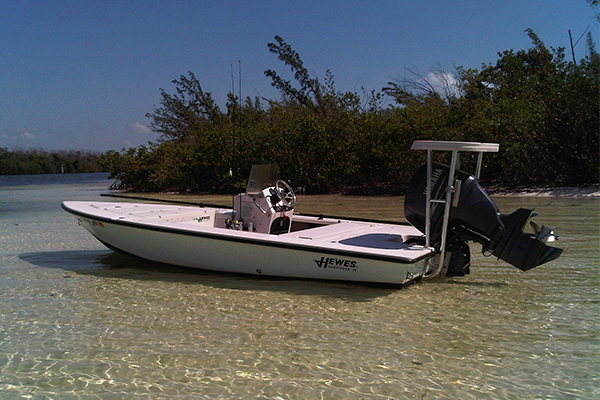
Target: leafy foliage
x=187, y=113
x=310, y=93
x=542, y=110
x=34, y=161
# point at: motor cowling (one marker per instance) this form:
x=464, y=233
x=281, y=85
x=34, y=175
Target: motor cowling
x=475, y=217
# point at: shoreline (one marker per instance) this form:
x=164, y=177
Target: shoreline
x=541, y=191
x=545, y=191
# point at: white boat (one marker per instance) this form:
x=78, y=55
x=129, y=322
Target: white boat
x=262, y=235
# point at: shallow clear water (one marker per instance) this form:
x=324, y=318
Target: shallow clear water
x=78, y=321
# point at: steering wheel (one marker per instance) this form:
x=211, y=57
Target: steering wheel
x=285, y=193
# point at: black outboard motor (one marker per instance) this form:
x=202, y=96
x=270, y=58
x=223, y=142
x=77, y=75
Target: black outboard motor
x=474, y=216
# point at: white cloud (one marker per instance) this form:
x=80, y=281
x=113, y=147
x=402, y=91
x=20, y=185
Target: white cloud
x=27, y=136
x=444, y=83
x=139, y=128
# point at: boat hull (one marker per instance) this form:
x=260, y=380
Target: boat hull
x=250, y=253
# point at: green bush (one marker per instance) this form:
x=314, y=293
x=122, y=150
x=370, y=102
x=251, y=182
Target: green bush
x=541, y=109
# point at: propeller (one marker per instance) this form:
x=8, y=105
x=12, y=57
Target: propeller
x=543, y=233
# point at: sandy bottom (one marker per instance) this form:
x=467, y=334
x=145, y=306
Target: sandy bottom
x=591, y=191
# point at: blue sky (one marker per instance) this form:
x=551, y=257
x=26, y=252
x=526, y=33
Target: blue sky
x=83, y=74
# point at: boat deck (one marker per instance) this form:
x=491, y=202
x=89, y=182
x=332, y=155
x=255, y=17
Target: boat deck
x=360, y=237
x=361, y=234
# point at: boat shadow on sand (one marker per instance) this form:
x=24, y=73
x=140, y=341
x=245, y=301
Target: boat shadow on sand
x=107, y=264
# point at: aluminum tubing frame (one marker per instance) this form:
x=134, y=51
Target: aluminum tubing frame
x=455, y=148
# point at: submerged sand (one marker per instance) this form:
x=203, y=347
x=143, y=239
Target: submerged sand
x=591, y=191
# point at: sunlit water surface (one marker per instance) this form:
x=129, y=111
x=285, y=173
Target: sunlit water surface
x=80, y=322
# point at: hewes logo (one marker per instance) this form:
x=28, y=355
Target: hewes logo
x=337, y=263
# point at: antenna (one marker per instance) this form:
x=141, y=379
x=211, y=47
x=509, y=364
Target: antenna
x=240, y=98
x=232, y=83
x=240, y=80
x=233, y=111
x=573, y=45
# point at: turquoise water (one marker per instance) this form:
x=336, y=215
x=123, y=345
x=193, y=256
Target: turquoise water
x=80, y=322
